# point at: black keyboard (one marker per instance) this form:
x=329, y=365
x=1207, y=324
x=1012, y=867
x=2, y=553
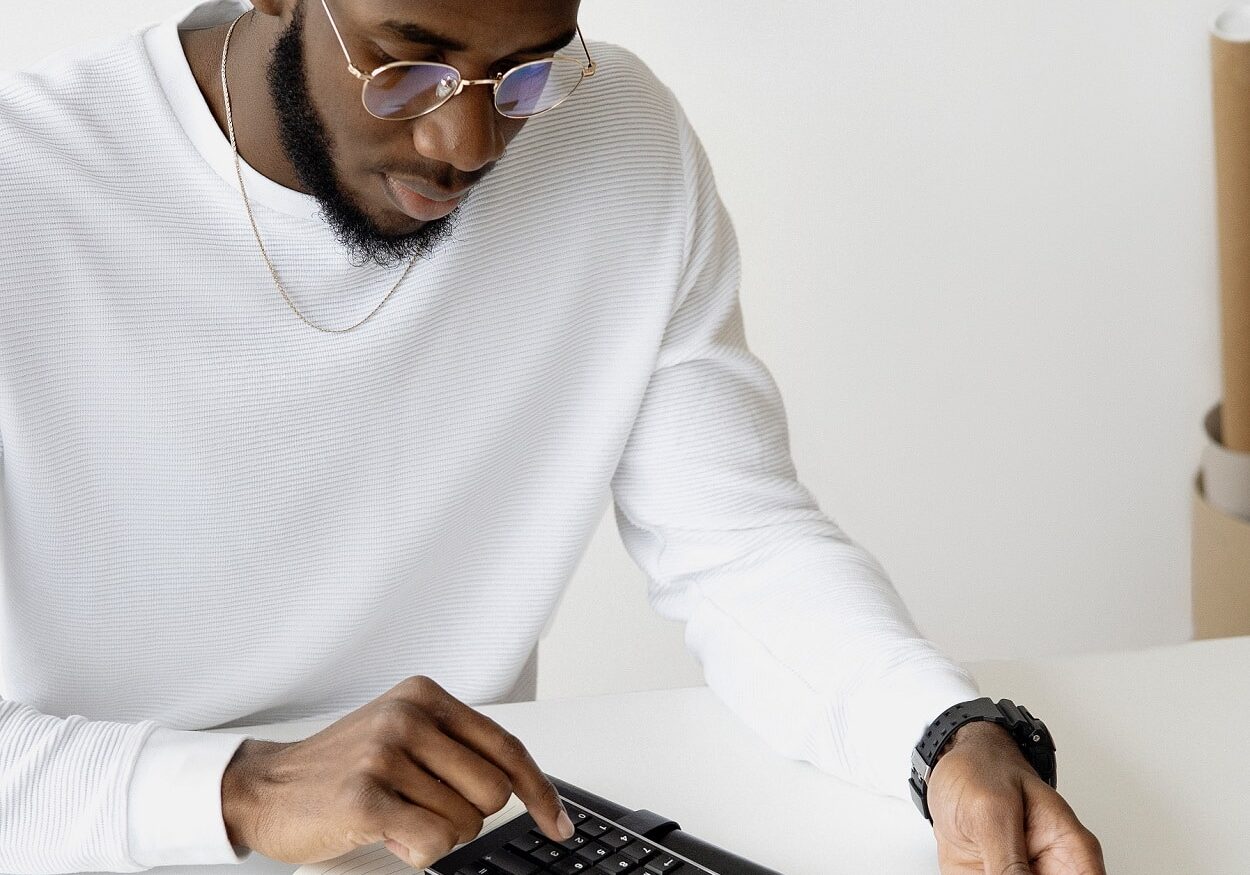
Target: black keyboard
x=598, y=846
x=607, y=838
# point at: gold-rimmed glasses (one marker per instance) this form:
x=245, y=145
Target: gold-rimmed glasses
x=409, y=89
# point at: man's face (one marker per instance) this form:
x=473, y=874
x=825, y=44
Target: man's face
x=363, y=170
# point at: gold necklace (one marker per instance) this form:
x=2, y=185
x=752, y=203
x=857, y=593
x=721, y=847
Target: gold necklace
x=252, y=219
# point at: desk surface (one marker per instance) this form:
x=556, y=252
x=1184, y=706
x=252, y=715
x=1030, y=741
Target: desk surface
x=1150, y=755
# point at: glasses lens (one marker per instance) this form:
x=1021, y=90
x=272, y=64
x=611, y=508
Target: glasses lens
x=537, y=86
x=409, y=90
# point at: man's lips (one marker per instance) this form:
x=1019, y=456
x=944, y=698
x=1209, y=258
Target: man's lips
x=419, y=200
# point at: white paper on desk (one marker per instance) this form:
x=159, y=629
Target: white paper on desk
x=377, y=860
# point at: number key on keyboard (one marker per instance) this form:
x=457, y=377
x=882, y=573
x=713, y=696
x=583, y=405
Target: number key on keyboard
x=593, y=828
x=639, y=852
x=616, y=840
x=616, y=863
x=577, y=841
x=662, y=865
x=593, y=853
x=548, y=853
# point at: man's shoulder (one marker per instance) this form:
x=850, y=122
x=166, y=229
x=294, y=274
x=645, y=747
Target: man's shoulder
x=621, y=124
x=626, y=68
x=625, y=88
x=73, y=104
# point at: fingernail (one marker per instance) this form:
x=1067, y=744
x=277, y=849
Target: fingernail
x=564, y=825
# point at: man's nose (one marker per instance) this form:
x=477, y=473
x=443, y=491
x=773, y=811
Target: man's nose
x=463, y=132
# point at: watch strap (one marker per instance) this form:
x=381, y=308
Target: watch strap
x=925, y=756
x=1029, y=733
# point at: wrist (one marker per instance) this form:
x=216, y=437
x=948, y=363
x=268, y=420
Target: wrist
x=983, y=741
x=241, y=785
x=985, y=736
x=981, y=734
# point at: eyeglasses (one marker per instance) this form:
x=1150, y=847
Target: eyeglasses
x=408, y=89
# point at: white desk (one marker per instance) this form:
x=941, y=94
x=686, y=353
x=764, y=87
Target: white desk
x=1151, y=755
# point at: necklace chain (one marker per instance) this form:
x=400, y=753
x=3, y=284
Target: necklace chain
x=252, y=219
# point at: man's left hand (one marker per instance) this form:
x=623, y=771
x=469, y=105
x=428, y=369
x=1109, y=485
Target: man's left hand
x=993, y=815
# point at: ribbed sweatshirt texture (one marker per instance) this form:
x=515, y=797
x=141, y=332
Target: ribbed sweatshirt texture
x=216, y=516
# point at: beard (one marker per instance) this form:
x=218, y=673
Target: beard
x=308, y=147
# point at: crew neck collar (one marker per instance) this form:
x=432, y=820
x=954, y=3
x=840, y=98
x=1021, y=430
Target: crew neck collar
x=187, y=102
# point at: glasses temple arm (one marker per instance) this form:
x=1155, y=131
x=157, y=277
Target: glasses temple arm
x=591, y=66
x=355, y=71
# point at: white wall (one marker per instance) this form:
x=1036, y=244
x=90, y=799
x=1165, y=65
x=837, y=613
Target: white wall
x=979, y=258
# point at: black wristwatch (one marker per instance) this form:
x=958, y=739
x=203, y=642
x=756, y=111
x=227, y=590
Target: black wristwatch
x=1030, y=734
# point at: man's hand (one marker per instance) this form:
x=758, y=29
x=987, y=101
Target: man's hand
x=415, y=768
x=993, y=815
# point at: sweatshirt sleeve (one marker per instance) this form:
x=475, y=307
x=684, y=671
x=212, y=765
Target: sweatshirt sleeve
x=82, y=795
x=798, y=629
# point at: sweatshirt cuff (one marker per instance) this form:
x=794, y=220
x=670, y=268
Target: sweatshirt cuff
x=174, y=804
x=886, y=719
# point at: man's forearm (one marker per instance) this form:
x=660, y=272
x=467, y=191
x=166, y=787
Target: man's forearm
x=65, y=783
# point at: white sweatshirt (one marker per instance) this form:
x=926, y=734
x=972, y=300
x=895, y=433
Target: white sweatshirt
x=215, y=515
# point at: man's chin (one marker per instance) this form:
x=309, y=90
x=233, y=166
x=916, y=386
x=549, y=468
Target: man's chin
x=398, y=238
x=396, y=226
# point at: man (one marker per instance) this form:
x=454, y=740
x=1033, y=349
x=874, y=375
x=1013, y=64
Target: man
x=317, y=369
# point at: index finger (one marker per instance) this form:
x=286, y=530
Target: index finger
x=478, y=732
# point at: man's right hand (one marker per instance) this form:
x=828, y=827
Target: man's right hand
x=415, y=768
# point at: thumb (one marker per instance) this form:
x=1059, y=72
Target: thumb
x=1004, y=850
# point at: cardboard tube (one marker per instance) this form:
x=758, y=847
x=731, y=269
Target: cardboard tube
x=1221, y=570
x=1230, y=89
x=1225, y=474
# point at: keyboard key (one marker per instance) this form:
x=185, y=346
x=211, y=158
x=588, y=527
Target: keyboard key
x=569, y=866
x=593, y=853
x=577, y=841
x=526, y=843
x=639, y=852
x=593, y=828
x=510, y=863
x=662, y=865
x=616, y=840
x=475, y=870
x=616, y=863
x=549, y=853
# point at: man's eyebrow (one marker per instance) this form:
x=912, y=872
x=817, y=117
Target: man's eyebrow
x=415, y=33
